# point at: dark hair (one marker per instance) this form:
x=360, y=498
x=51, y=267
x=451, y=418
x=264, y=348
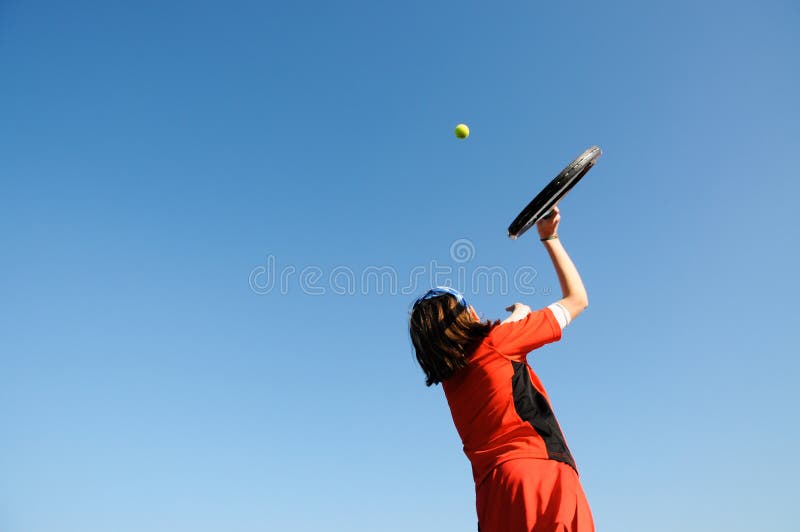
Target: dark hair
x=444, y=334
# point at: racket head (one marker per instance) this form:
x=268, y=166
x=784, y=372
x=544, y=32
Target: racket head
x=553, y=192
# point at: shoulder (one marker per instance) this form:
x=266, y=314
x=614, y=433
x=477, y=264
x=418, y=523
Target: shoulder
x=536, y=319
x=515, y=339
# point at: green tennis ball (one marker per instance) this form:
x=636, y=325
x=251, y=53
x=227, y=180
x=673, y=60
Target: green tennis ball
x=462, y=131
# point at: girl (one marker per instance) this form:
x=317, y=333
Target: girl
x=525, y=476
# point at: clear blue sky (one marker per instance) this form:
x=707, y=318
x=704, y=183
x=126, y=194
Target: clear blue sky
x=154, y=155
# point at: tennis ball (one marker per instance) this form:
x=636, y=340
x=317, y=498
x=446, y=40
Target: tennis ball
x=462, y=131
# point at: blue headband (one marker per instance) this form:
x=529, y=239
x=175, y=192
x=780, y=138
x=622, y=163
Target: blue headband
x=441, y=291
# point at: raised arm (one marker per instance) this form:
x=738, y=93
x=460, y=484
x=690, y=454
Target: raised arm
x=573, y=292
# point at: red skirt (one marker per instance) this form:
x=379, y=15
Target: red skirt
x=533, y=495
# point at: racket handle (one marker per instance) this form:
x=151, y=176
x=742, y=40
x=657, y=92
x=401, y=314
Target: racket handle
x=549, y=214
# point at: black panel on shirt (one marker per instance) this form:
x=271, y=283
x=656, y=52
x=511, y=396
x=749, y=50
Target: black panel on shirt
x=533, y=407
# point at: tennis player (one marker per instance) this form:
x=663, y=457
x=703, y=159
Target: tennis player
x=525, y=475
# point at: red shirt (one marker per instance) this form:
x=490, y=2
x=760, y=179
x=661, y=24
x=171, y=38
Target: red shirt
x=499, y=406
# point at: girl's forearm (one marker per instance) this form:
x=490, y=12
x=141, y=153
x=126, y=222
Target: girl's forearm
x=571, y=284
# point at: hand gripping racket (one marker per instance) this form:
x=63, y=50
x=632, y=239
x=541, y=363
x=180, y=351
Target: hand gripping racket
x=542, y=205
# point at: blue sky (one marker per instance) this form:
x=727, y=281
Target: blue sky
x=156, y=154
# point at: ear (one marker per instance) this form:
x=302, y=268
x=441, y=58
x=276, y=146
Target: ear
x=474, y=313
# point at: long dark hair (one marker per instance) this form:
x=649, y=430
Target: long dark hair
x=444, y=333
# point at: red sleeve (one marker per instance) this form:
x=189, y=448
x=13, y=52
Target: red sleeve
x=518, y=338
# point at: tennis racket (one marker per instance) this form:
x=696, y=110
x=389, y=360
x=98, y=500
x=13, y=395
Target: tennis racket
x=542, y=205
